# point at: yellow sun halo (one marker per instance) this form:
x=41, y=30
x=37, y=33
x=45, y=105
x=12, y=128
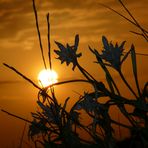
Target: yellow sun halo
x=47, y=77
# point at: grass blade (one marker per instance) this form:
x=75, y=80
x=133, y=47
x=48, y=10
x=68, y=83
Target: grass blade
x=134, y=65
x=39, y=35
x=49, y=44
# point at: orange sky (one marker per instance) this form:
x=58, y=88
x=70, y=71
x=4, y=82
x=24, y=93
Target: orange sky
x=19, y=47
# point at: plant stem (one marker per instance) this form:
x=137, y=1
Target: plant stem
x=138, y=25
x=22, y=137
x=26, y=120
x=144, y=32
x=23, y=76
x=109, y=75
x=49, y=44
x=69, y=81
x=39, y=35
x=129, y=87
x=85, y=73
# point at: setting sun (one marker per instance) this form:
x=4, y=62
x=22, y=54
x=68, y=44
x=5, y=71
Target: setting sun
x=47, y=77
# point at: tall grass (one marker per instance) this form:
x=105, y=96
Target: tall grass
x=55, y=126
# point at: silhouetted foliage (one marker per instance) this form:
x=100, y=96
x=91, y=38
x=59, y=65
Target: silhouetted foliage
x=54, y=126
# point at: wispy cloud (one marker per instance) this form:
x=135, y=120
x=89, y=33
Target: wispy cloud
x=68, y=17
x=17, y=18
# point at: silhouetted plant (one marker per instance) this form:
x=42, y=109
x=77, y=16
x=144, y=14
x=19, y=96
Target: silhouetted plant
x=54, y=126
x=142, y=31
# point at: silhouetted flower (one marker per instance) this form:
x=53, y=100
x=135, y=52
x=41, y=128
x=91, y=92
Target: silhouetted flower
x=68, y=54
x=88, y=103
x=112, y=53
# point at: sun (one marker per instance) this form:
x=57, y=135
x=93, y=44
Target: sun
x=47, y=77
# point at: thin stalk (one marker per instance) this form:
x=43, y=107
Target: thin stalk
x=113, y=121
x=27, y=79
x=69, y=81
x=115, y=86
x=22, y=137
x=85, y=73
x=79, y=124
x=23, y=76
x=104, y=90
x=120, y=124
x=120, y=103
x=138, y=25
x=134, y=65
x=143, y=30
x=49, y=123
x=43, y=95
x=119, y=14
x=26, y=120
x=93, y=82
x=88, y=131
x=120, y=135
x=137, y=84
x=137, y=33
x=49, y=56
x=39, y=35
x=82, y=69
x=129, y=87
x=126, y=114
x=49, y=44
x=140, y=54
x=102, y=134
x=108, y=74
x=105, y=70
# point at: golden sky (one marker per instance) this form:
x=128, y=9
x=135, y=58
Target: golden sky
x=19, y=45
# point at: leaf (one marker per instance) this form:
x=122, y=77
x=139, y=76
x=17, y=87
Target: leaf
x=42, y=106
x=133, y=56
x=61, y=47
x=65, y=103
x=134, y=64
x=91, y=49
x=35, y=115
x=36, y=128
x=63, y=110
x=109, y=81
x=75, y=116
x=126, y=55
x=33, y=131
x=105, y=42
x=89, y=103
x=76, y=42
x=48, y=111
x=122, y=45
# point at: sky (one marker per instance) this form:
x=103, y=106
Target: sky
x=19, y=46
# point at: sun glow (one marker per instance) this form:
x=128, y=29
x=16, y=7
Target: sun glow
x=47, y=77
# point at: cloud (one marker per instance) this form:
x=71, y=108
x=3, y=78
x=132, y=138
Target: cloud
x=9, y=82
x=89, y=19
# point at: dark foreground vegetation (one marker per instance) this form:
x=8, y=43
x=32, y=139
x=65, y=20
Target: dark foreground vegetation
x=55, y=127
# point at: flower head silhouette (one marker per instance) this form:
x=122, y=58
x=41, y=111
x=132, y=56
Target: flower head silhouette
x=68, y=54
x=112, y=53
